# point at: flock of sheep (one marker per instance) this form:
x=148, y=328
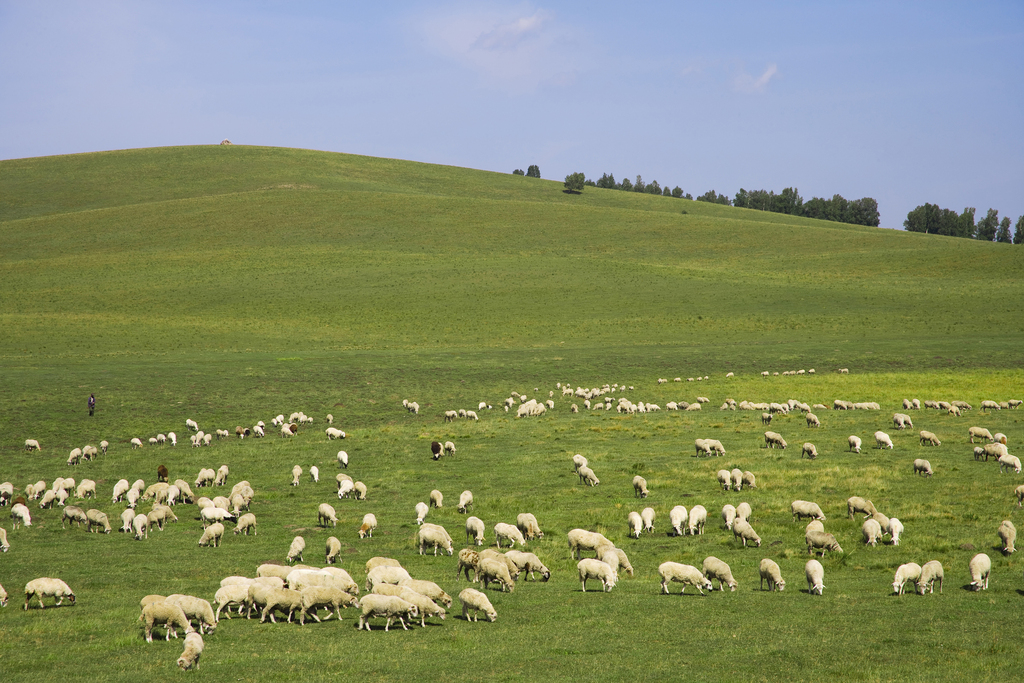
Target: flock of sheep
x=394, y=595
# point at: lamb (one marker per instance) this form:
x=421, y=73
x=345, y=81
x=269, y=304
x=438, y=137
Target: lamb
x=770, y=572
x=595, y=569
x=822, y=540
x=979, y=432
x=212, y=535
x=930, y=572
x=368, y=525
x=326, y=514
x=774, y=440
x=436, y=499
x=195, y=609
x=725, y=479
x=909, y=572
x=980, y=567
x=588, y=477
x=929, y=438
x=809, y=450
x=528, y=525
x=312, y=598
x=713, y=568
x=640, y=487
x=529, y=563
x=581, y=539
x=648, y=515
x=872, y=531
x=803, y=508
x=465, y=500
x=388, y=607
x=698, y=518
x=476, y=601
x=815, y=574
x=684, y=574
x=284, y=600
x=193, y=649
x=883, y=441
x=48, y=587
x=171, y=616
x=436, y=536
x=922, y=467
x=140, y=525
x=508, y=532
x=295, y=549
x=1008, y=535
x=635, y=524
x=475, y=530
x=855, y=443
x=343, y=459
x=742, y=529
x=677, y=517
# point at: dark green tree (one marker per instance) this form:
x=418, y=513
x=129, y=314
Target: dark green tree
x=574, y=182
x=987, y=226
x=518, y=171
x=626, y=185
x=1018, y=233
x=653, y=188
x=677, y=192
x=639, y=185
x=965, y=225
x=742, y=199
x=714, y=198
x=1003, y=234
x=533, y=171
x=607, y=181
x=665, y=192
x=589, y=183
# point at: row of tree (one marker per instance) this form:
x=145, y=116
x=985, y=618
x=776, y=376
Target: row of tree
x=931, y=219
x=532, y=172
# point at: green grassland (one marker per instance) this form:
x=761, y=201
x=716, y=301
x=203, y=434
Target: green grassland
x=230, y=284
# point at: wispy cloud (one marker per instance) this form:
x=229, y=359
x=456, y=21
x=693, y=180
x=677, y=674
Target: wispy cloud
x=514, y=49
x=746, y=83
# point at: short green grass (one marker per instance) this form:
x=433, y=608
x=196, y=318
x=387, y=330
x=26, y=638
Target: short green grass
x=233, y=284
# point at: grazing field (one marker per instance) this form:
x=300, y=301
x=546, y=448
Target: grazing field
x=229, y=285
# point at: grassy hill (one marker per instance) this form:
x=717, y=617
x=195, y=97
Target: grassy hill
x=230, y=284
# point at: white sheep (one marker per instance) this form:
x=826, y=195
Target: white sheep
x=581, y=539
x=1008, y=462
x=345, y=487
x=855, y=443
x=684, y=574
x=817, y=539
x=725, y=479
x=698, y=518
x=326, y=515
x=295, y=550
x=922, y=466
x=496, y=570
x=343, y=459
x=742, y=529
x=245, y=523
x=579, y=461
x=1008, y=535
x=774, y=440
x=857, y=504
x=648, y=515
x=770, y=572
x=588, y=568
x=728, y=515
x=529, y=563
x=803, y=508
x=368, y=525
x=171, y=616
x=140, y=525
x=212, y=535
x=588, y=477
x=980, y=567
x=333, y=549
x=195, y=609
x=387, y=607
x=929, y=438
x=50, y=588
x=528, y=525
x=436, y=499
x=507, y=532
x=640, y=487
x=385, y=573
x=193, y=649
x=333, y=433
x=465, y=500
x=474, y=530
x=635, y=524
x=737, y=479
x=421, y=512
x=4, y=545
x=909, y=572
x=981, y=433
x=930, y=572
x=815, y=574
x=809, y=450
x=32, y=445
x=296, y=475
x=136, y=443
x=715, y=569
x=677, y=517
x=436, y=536
x=475, y=601
x=812, y=420
x=882, y=440
x=872, y=531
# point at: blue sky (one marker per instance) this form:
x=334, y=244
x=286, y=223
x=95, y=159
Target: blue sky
x=906, y=102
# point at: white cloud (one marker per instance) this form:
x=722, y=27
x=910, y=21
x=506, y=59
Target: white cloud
x=746, y=83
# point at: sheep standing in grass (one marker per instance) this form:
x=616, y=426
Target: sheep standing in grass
x=140, y=525
x=528, y=563
x=815, y=574
x=171, y=616
x=930, y=573
x=507, y=532
x=368, y=525
x=742, y=529
x=342, y=459
x=684, y=574
x=774, y=440
x=698, y=518
x=725, y=479
x=677, y=517
x=4, y=545
x=855, y=443
x=715, y=569
x=640, y=487
x=20, y=516
x=496, y=570
x=803, y=508
x=468, y=559
x=475, y=530
x=476, y=601
x=1008, y=462
x=929, y=438
x=1008, y=536
x=97, y=518
x=193, y=649
x=979, y=432
x=857, y=504
x=635, y=524
x=436, y=499
x=595, y=569
x=980, y=567
x=648, y=515
x=883, y=441
x=872, y=532
x=737, y=479
x=386, y=607
x=32, y=445
x=821, y=540
x=771, y=573
x=50, y=588
x=295, y=550
x=581, y=539
x=326, y=515
x=812, y=420
x=527, y=523
x=196, y=609
x=436, y=536
x=910, y=572
x=749, y=480
x=922, y=466
x=809, y=450
x=212, y=535
x=588, y=477
x=465, y=500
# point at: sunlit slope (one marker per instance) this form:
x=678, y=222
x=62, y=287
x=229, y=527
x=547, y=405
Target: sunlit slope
x=275, y=250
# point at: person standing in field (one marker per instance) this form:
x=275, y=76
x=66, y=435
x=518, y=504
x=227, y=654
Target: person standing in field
x=92, y=404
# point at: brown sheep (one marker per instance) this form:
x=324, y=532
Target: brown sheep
x=435, y=449
x=161, y=473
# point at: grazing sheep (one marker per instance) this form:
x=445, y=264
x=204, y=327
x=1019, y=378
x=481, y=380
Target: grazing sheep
x=714, y=569
x=48, y=587
x=749, y=480
x=929, y=438
x=990, y=405
x=635, y=525
x=809, y=450
x=803, y=508
x=1019, y=492
x=527, y=524
x=496, y=569
x=73, y=513
x=770, y=572
x=529, y=563
x=728, y=516
x=508, y=532
x=86, y=489
x=326, y=515
x=930, y=572
x=595, y=569
x=368, y=525
x=857, y=504
x=872, y=531
x=468, y=559
x=345, y=487
x=20, y=515
x=171, y=616
x=815, y=574
x=4, y=545
x=436, y=536
x=648, y=515
x=426, y=606
x=922, y=467
x=725, y=479
x=774, y=440
x=901, y=421
x=855, y=443
x=883, y=441
x=981, y=433
x=766, y=418
x=737, y=479
x=578, y=461
x=702, y=447
x=677, y=517
x=193, y=649
x=476, y=601
x=387, y=607
x=245, y=523
x=212, y=535
x=140, y=525
x=465, y=500
x=909, y=572
x=994, y=450
x=1007, y=462
x=821, y=540
x=333, y=433
x=312, y=598
x=32, y=445
x=640, y=487
x=882, y=520
x=812, y=420
x=999, y=438
x=980, y=567
x=195, y=609
x=75, y=457
x=136, y=443
x=742, y=529
x=295, y=550
x=684, y=574
x=1008, y=535
x=436, y=499
x=698, y=518
x=588, y=477
x=385, y=573
x=581, y=539
x=475, y=530
x=284, y=600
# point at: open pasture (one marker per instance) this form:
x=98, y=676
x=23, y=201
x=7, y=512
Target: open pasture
x=230, y=285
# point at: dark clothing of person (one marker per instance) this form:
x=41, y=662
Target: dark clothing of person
x=92, y=404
